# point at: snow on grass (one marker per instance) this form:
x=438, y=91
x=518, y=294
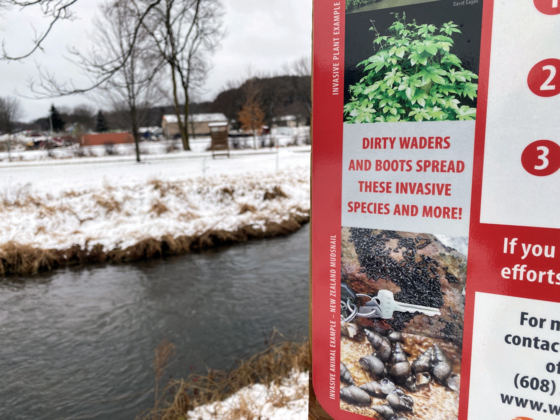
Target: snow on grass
x=287, y=400
x=117, y=216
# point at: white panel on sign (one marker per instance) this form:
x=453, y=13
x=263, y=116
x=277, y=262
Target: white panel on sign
x=442, y=163
x=515, y=370
x=520, y=114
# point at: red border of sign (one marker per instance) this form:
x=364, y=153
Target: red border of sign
x=327, y=192
x=478, y=165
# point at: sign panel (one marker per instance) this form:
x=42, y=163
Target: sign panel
x=435, y=138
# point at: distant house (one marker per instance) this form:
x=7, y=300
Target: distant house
x=198, y=124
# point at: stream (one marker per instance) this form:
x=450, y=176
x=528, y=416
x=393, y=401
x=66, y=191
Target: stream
x=79, y=343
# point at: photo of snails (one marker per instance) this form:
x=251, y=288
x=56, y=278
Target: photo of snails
x=419, y=379
x=407, y=366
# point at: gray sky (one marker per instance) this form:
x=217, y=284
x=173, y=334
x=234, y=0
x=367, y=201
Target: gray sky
x=262, y=34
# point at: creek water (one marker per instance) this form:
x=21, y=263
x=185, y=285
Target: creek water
x=79, y=343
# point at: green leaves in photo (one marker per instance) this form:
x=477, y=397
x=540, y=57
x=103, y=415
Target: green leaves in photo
x=414, y=76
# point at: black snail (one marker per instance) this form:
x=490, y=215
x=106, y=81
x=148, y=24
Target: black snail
x=381, y=345
x=374, y=366
x=393, y=373
x=379, y=389
x=345, y=375
x=354, y=395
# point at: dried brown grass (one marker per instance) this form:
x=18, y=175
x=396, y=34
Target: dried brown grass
x=18, y=196
x=272, y=365
x=275, y=193
x=16, y=258
x=158, y=208
x=108, y=203
x=247, y=208
x=163, y=355
x=72, y=194
x=168, y=187
x=20, y=259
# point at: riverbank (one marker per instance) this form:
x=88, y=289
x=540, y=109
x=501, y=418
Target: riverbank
x=271, y=385
x=78, y=221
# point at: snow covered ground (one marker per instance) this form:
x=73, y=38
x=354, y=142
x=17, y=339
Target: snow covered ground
x=285, y=401
x=116, y=203
x=282, y=137
x=54, y=176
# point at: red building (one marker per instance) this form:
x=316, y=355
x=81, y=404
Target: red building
x=105, y=138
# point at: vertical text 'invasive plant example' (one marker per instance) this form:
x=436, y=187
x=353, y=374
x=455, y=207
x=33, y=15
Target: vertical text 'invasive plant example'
x=413, y=77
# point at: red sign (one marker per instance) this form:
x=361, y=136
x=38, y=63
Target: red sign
x=435, y=209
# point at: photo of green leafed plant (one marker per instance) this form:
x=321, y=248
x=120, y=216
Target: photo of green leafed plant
x=413, y=76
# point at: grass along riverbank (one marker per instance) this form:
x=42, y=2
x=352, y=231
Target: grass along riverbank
x=116, y=222
x=271, y=385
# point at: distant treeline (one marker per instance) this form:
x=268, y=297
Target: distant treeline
x=278, y=96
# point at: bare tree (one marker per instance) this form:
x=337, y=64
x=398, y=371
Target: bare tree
x=302, y=83
x=55, y=10
x=11, y=112
x=273, y=95
x=251, y=115
x=47, y=84
x=184, y=33
x=116, y=41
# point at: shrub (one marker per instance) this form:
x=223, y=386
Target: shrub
x=413, y=77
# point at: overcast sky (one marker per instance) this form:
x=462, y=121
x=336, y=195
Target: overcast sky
x=262, y=34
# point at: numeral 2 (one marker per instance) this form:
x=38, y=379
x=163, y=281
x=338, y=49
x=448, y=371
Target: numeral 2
x=546, y=85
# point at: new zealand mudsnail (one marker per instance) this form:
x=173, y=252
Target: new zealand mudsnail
x=442, y=368
x=354, y=395
x=423, y=363
x=399, y=401
x=400, y=369
x=345, y=375
x=381, y=344
x=379, y=389
x=373, y=365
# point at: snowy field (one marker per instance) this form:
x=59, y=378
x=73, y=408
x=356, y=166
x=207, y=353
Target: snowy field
x=116, y=204
x=54, y=176
x=281, y=137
